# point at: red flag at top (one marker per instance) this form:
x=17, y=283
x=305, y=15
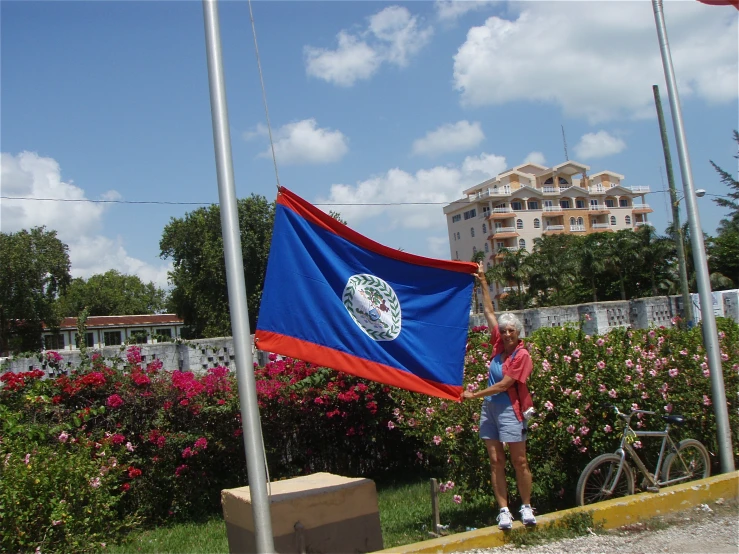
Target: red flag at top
x=734, y=3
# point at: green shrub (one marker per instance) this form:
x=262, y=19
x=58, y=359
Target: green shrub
x=59, y=498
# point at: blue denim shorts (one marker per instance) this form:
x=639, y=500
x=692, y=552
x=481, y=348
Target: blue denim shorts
x=499, y=422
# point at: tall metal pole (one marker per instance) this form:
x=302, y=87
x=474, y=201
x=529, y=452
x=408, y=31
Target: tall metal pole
x=687, y=304
x=710, y=333
x=253, y=442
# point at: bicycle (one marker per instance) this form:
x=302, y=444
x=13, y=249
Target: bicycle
x=611, y=476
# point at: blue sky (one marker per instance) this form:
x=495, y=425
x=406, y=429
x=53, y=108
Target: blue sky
x=370, y=102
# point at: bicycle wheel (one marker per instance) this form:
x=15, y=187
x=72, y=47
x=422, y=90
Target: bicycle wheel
x=598, y=477
x=697, y=462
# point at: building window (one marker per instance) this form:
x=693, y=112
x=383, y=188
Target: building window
x=487, y=247
x=519, y=224
x=472, y=232
x=522, y=244
x=613, y=220
x=610, y=204
x=565, y=204
x=469, y=214
x=139, y=337
x=516, y=205
x=89, y=340
x=474, y=250
x=572, y=221
x=533, y=205
x=456, y=254
x=628, y=220
x=484, y=229
x=54, y=342
x=459, y=236
x=112, y=338
x=580, y=221
x=456, y=218
x=549, y=181
x=563, y=181
x=623, y=202
x=163, y=335
x=537, y=224
x=580, y=204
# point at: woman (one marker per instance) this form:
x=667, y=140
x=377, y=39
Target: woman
x=506, y=398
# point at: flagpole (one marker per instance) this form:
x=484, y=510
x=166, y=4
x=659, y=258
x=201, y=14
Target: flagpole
x=710, y=333
x=252, y=431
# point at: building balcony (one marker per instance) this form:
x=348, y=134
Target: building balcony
x=599, y=208
x=600, y=226
x=642, y=209
x=577, y=228
x=548, y=189
x=597, y=189
x=498, y=230
x=554, y=228
x=501, y=213
x=552, y=208
x=640, y=223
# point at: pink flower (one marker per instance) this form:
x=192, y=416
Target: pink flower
x=63, y=436
x=576, y=353
x=706, y=400
x=627, y=379
x=95, y=482
x=608, y=429
x=601, y=364
x=533, y=426
x=577, y=441
x=390, y=425
x=114, y=401
x=437, y=440
x=637, y=444
x=600, y=342
x=566, y=358
x=201, y=443
x=577, y=394
x=419, y=455
x=629, y=364
x=602, y=388
x=457, y=499
x=475, y=428
x=683, y=352
x=570, y=429
x=584, y=430
x=130, y=447
x=27, y=459
x=673, y=372
x=612, y=393
x=548, y=405
x=668, y=408
x=180, y=470
x=724, y=356
x=578, y=377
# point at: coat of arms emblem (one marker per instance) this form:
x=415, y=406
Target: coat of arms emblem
x=373, y=305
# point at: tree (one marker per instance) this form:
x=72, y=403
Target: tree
x=34, y=270
x=554, y=270
x=112, y=293
x=733, y=204
x=513, y=267
x=590, y=251
x=195, y=245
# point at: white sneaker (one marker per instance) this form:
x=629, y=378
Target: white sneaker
x=527, y=515
x=504, y=519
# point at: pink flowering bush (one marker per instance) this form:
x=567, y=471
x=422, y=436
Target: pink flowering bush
x=661, y=370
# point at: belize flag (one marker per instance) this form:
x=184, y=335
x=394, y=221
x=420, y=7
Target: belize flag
x=337, y=299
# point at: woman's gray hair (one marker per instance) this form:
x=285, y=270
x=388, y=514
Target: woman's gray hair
x=510, y=319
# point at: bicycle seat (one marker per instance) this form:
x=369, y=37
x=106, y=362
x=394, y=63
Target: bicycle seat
x=674, y=419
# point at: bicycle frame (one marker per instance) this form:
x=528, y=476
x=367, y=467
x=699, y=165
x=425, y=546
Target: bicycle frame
x=626, y=448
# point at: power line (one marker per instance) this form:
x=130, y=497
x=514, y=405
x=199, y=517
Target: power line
x=209, y=203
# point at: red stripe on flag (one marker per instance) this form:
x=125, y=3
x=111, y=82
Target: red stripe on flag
x=359, y=367
x=312, y=214
x=734, y=3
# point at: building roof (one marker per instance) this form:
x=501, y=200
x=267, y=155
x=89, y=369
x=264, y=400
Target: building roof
x=121, y=321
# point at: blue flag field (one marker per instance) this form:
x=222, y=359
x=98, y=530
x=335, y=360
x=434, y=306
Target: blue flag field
x=337, y=299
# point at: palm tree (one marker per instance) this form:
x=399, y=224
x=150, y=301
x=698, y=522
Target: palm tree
x=621, y=255
x=591, y=253
x=554, y=270
x=513, y=267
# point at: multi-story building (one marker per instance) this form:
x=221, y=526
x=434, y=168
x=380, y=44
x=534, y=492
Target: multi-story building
x=511, y=210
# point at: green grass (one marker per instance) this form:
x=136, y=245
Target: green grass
x=405, y=517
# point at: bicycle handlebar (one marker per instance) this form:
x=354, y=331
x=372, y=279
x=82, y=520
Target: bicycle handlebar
x=625, y=415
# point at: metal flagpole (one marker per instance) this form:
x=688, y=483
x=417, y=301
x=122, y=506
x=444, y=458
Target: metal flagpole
x=687, y=304
x=253, y=442
x=710, y=333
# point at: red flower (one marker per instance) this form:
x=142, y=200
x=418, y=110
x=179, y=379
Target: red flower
x=201, y=443
x=167, y=405
x=125, y=487
x=180, y=470
x=134, y=472
x=118, y=439
x=114, y=401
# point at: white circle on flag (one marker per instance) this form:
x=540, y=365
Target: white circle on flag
x=373, y=305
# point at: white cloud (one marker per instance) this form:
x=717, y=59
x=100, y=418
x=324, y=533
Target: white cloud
x=78, y=224
x=452, y=137
x=598, y=145
x=392, y=36
x=438, y=247
x=417, y=199
x=303, y=142
x=597, y=60
x=451, y=10
x=535, y=158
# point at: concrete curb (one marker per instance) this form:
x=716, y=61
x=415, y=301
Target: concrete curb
x=611, y=514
